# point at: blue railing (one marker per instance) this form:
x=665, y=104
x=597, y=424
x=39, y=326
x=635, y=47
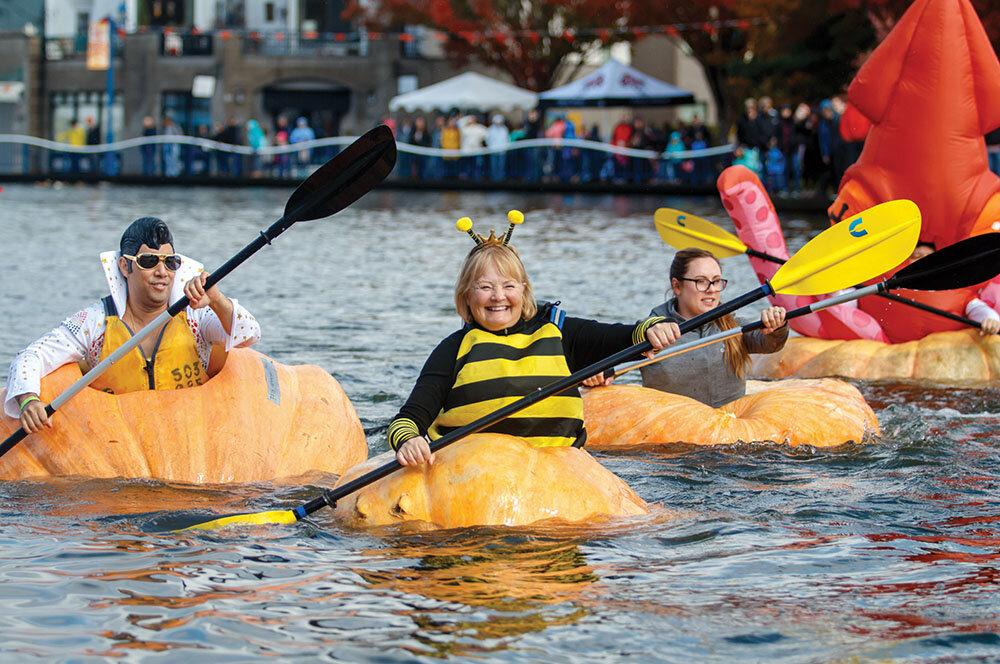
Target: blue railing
x=542, y=159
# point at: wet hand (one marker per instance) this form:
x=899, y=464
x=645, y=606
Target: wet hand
x=598, y=381
x=772, y=318
x=661, y=335
x=415, y=452
x=989, y=326
x=198, y=296
x=34, y=417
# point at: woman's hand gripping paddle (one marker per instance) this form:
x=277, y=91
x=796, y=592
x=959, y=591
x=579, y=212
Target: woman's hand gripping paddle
x=335, y=185
x=963, y=264
x=832, y=260
x=682, y=230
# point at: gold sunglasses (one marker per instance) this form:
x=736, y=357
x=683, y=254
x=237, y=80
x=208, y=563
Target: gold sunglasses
x=148, y=261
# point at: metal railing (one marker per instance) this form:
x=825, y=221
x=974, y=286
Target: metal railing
x=541, y=159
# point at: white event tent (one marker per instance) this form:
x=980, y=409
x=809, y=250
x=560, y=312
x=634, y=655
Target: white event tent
x=468, y=91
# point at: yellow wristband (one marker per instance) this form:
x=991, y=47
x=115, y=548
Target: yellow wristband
x=24, y=404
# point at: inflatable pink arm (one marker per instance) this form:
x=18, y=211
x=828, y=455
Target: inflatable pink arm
x=757, y=225
x=991, y=294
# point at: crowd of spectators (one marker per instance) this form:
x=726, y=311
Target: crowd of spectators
x=792, y=147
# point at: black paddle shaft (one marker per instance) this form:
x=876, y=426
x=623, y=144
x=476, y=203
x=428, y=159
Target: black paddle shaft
x=889, y=296
x=330, y=498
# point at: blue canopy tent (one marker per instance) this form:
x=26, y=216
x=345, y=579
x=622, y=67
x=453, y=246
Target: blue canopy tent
x=615, y=84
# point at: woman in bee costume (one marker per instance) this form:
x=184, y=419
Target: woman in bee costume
x=508, y=346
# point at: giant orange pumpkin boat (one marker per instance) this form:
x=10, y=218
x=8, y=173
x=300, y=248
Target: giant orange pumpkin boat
x=945, y=357
x=490, y=479
x=822, y=413
x=256, y=420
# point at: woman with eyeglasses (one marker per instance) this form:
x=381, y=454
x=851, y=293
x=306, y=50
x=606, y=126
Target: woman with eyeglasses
x=144, y=277
x=714, y=374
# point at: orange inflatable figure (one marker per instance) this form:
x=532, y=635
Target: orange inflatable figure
x=931, y=91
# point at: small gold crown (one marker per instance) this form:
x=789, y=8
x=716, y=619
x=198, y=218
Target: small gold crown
x=515, y=217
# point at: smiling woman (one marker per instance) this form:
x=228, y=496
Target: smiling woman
x=508, y=347
x=712, y=375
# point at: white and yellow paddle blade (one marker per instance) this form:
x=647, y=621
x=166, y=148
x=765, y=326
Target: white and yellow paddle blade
x=852, y=251
x=682, y=231
x=274, y=517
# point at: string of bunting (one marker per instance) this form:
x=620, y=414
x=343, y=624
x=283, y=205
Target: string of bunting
x=474, y=37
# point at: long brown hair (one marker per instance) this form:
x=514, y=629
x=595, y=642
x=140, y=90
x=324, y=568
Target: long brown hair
x=737, y=356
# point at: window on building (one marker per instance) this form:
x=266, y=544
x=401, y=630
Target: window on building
x=188, y=111
x=269, y=12
x=84, y=104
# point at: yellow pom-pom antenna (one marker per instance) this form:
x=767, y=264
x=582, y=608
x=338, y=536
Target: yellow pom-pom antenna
x=515, y=217
x=465, y=225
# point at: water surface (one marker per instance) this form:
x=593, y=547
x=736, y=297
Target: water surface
x=882, y=552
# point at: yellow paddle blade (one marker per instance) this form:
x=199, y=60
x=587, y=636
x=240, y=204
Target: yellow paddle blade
x=682, y=230
x=852, y=251
x=276, y=517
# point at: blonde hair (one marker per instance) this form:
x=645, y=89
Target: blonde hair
x=737, y=356
x=506, y=261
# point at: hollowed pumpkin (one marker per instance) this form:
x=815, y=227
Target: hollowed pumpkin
x=256, y=420
x=942, y=357
x=490, y=479
x=823, y=413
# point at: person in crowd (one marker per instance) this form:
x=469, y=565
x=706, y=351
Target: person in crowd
x=233, y=135
x=282, y=160
x=143, y=281
x=671, y=163
x=768, y=120
x=697, y=125
x=774, y=168
x=420, y=137
x=497, y=138
x=533, y=158
x=714, y=374
x=828, y=134
x=508, y=346
x=76, y=136
x=621, y=136
x=435, y=165
x=701, y=165
x=404, y=160
x=302, y=133
x=148, y=151
x=198, y=163
x=451, y=139
x=642, y=139
x=553, y=156
x=93, y=138
x=473, y=137
x=590, y=162
x=171, y=151
x=256, y=139
x=747, y=156
x=747, y=127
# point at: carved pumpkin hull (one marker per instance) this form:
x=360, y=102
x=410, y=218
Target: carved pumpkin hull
x=945, y=357
x=256, y=420
x=823, y=413
x=490, y=479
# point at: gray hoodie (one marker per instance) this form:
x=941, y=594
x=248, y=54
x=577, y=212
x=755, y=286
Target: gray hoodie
x=703, y=373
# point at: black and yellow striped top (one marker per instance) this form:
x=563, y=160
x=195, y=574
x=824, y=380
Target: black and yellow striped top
x=474, y=372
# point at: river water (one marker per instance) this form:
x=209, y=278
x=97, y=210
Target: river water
x=889, y=551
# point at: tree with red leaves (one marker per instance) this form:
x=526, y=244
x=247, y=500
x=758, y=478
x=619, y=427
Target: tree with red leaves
x=530, y=40
x=883, y=14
